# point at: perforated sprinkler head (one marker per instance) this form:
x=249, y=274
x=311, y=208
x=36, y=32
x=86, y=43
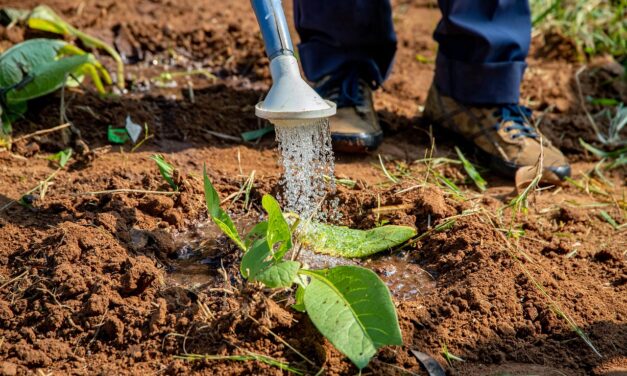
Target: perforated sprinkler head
x=291, y=101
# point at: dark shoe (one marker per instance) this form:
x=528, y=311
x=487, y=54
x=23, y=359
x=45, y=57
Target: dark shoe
x=355, y=128
x=504, y=133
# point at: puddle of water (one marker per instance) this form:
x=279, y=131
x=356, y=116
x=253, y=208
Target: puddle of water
x=200, y=253
x=405, y=280
x=201, y=250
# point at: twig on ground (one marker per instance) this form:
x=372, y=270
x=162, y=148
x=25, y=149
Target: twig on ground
x=42, y=132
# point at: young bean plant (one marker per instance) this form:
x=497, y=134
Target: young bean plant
x=349, y=305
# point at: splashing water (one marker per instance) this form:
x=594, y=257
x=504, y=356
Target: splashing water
x=308, y=165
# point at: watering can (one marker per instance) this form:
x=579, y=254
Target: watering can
x=290, y=101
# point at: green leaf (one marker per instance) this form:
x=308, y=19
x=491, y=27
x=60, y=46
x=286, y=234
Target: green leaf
x=472, y=171
x=44, y=18
x=61, y=157
x=32, y=68
x=346, y=242
x=256, y=259
x=258, y=265
x=165, y=169
x=352, y=307
x=219, y=216
x=45, y=79
x=21, y=58
x=278, y=232
x=281, y=274
x=300, y=299
x=257, y=232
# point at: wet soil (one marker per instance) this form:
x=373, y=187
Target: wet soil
x=125, y=283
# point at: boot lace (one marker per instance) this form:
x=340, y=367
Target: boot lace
x=518, y=119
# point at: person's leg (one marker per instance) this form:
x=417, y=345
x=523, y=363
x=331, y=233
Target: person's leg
x=480, y=64
x=341, y=35
x=482, y=49
x=346, y=49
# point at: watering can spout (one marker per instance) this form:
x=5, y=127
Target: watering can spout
x=290, y=100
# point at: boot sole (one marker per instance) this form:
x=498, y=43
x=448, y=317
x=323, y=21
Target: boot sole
x=356, y=143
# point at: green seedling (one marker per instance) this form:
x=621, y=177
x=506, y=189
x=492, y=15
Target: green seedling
x=38, y=67
x=472, y=171
x=449, y=357
x=62, y=157
x=350, y=305
x=165, y=169
x=45, y=19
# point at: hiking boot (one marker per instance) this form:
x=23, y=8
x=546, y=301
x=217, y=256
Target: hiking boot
x=503, y=133
x=355, y=128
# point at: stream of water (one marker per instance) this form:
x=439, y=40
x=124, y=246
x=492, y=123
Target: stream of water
x=308, y=166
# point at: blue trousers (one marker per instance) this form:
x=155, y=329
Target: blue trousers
x=482, y=44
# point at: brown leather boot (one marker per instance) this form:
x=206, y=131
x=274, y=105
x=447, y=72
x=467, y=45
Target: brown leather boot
x=505, y=134
x=355, y=128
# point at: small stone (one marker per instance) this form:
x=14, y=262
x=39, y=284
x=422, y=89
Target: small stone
x=8, y=369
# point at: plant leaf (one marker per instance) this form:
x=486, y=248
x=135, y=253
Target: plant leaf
x=258, y=265
x=346, y=242
x=257, y=232
x=300, y=299
x=32, y=68
x=61, y=157
x=219, y=216
x=352, y=307
x=45, y=79
x=255, y=259
x=281, y=274
x=472, y=171
x=278, y=230
x=165, y=169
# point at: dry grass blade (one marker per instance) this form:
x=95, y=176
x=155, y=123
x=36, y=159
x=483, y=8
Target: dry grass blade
x=243, y=358
x=386, y=172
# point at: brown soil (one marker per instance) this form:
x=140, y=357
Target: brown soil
x=91, y=284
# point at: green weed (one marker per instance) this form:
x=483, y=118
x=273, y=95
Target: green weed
x=596, y=27
x=166, y=170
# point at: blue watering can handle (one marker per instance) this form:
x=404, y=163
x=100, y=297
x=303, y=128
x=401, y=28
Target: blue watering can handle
x=273, y=25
